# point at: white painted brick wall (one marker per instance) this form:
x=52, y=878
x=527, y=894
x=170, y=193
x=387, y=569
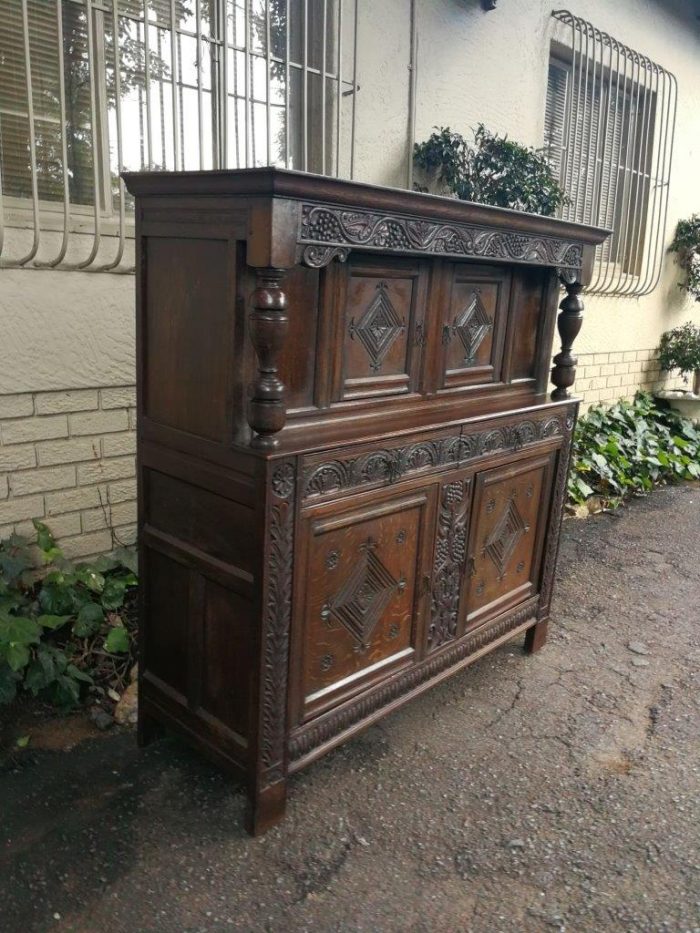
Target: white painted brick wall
x=67, y=458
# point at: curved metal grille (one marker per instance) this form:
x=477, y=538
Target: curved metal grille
x=609, y=124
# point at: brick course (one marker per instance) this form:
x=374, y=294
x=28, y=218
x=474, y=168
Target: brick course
x=67, y=458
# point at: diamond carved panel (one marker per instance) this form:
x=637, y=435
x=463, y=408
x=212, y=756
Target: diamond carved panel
x=364, y=596
x=472, y=326
x=378, y=327
x=505, y=536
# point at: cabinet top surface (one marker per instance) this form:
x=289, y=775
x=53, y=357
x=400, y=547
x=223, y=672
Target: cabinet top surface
x=275, y=183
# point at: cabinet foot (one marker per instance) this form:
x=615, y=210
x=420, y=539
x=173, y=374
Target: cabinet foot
x=266, y=808
x=148, y=729
x=536, y=636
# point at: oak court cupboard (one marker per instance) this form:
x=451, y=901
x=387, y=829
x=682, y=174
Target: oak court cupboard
x=351, y=472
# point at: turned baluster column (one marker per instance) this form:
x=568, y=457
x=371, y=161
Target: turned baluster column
x=569, y=324
x=268, y=328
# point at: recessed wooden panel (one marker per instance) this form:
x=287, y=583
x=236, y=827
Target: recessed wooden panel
x=362, y=586
x=525, y=322
x=218, y=526
x=188, y=335
x=226, y=656
x=474, y=314
x=505, y=542
x=165, y=650
x=379, y=348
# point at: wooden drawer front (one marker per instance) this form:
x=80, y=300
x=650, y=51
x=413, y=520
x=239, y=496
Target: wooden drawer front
x=475, y=308
x=363, y=583
x=509, y=516
x=382, y=306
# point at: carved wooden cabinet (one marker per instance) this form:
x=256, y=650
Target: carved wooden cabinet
x=351, y=476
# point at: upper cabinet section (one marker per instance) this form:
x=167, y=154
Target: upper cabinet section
x=332, y=308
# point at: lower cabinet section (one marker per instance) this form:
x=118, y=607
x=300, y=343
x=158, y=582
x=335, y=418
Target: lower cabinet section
x=387, y=578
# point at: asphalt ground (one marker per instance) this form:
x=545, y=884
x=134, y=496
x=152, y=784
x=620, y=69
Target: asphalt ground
x=554, y=792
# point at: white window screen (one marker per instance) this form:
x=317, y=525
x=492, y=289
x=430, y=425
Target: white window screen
x=609, y=119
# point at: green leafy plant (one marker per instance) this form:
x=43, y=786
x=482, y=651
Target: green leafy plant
x=494, y=170
x=65, y=628
x=686, y=244
x=680, y=349
x=630, y=447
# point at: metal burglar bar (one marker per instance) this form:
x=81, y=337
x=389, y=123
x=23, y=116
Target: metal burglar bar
x=89, y=88
x=609, y=123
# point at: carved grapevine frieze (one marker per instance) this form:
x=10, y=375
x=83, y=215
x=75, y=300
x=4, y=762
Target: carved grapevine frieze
x=448, y=566
x=389, y=465
x=329, y=232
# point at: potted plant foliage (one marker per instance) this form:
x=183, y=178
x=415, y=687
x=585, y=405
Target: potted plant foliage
x=491, y=170
x=679, y=350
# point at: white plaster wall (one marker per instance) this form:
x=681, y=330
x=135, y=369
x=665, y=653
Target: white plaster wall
x=65, y=330
x=72, y=330
x=492, y=67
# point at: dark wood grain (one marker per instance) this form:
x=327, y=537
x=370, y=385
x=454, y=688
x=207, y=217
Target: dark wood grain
x=351, y=478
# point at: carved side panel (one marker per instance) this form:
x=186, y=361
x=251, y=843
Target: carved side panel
x=449, y=562
x=276, y=624
x=362, y=594
x=381, y=310
x=473, y=324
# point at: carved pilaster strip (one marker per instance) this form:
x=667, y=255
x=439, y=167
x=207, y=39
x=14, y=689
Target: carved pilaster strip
x=448, y=567
x=569, y=324
x=276, y=622
x=268, y=328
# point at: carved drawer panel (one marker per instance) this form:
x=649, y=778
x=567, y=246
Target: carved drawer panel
x=475, y=309
x=381, y=307
x=509, y=513
x=363, y=586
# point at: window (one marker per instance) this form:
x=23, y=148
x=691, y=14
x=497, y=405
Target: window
x=609, y=118
x=89, y=88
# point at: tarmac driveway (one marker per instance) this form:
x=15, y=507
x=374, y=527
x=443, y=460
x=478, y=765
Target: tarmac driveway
x=556, y=792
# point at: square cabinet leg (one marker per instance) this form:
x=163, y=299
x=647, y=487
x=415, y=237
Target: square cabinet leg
x=266, y=807
x=536, y=636
x=148, y=729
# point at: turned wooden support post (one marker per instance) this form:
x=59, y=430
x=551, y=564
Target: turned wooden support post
x=268, y=328
x=569, y=324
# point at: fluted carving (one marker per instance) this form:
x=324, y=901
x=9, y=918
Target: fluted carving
x=569, y=324
x=268, y=328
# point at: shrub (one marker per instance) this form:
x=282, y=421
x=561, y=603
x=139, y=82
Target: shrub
x=495, y=170
x=686, y=243
x=630, y=447
x=65, y=629
x=680, y=349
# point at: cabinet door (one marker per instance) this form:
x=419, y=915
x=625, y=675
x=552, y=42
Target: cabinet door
x=510, y=511
x=474, y=312
x=363, y=586
x=380, y=316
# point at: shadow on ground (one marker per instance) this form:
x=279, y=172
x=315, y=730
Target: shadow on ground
x=558, y=792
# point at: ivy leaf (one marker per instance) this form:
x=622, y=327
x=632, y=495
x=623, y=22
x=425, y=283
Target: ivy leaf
x=117, y=642
x=52, y=622
x=90, y=618
x=18, y=630
x=113, y=593
x=17, y=655
x=8, y=683
x=22, y=741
